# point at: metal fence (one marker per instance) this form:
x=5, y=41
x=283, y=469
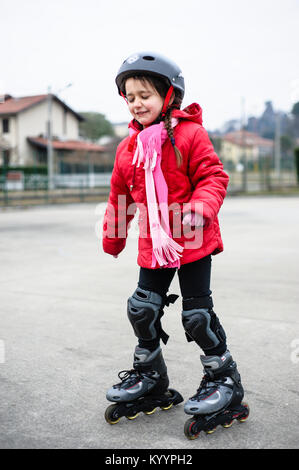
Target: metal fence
x=34, y=189
x=264, y=181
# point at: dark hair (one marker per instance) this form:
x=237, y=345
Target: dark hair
x=161, y=86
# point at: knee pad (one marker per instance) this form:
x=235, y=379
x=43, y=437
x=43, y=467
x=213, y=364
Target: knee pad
x=203, y=326
x=145, y=309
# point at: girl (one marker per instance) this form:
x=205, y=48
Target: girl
x=167, y=168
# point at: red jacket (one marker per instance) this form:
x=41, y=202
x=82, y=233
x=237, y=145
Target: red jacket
x=198, y=184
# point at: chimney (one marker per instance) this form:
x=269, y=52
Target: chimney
x=4, y=98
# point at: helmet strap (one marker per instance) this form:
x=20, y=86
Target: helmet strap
x=124, y=97
x=166, y=101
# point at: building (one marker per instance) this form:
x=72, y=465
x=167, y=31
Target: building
x=121, y=129
x=24, y=130
x=239, y=144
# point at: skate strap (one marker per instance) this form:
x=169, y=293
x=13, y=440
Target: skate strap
x=197, y=302
x=167, y=300
x=164, y=336
x=188, y=337
x=170, y=299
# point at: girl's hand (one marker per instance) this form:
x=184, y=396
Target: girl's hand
x=193, y=219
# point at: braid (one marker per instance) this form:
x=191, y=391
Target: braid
x=169, y=129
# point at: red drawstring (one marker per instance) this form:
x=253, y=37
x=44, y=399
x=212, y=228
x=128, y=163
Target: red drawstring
x=130, y=149
x=133, y=179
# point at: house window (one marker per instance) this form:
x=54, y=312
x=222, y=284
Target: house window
x=5, y=125
x=6, y=157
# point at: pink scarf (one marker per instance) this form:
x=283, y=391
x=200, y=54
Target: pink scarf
x=166, y=252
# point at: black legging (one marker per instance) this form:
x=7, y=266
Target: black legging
x=194, y=279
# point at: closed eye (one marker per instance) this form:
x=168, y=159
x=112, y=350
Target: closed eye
x=131, y=100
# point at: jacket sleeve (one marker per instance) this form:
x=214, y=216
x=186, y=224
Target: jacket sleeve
x=207, y=176
x=119, y=213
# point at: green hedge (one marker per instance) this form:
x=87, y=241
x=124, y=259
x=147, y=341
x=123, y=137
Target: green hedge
x=296, y=154
x=27, y=170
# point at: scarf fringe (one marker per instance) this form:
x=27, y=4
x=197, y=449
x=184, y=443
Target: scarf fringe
x=166, y=251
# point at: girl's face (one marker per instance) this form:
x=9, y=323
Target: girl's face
x=145, y=103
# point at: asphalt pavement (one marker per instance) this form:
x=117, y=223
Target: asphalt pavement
x=64, y=332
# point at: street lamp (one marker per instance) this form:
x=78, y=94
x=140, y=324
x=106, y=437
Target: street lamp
x=243, y=147
x=277, y=149
x=49, y=142
x=50, y=163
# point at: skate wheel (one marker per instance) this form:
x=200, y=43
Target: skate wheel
x=109, y=415
x=132, y=417
x=150, y=412
x=210, y=431
x=188, y=429
x=227, y=425
x=244, y=418
x=166, y=407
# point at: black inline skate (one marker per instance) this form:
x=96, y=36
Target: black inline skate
x=143, y=388
x=218, y=399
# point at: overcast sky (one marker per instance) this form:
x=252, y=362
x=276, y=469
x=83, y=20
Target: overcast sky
x=227, y=50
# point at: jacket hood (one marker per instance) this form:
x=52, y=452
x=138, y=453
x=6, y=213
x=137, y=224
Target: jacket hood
x=193, y=112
